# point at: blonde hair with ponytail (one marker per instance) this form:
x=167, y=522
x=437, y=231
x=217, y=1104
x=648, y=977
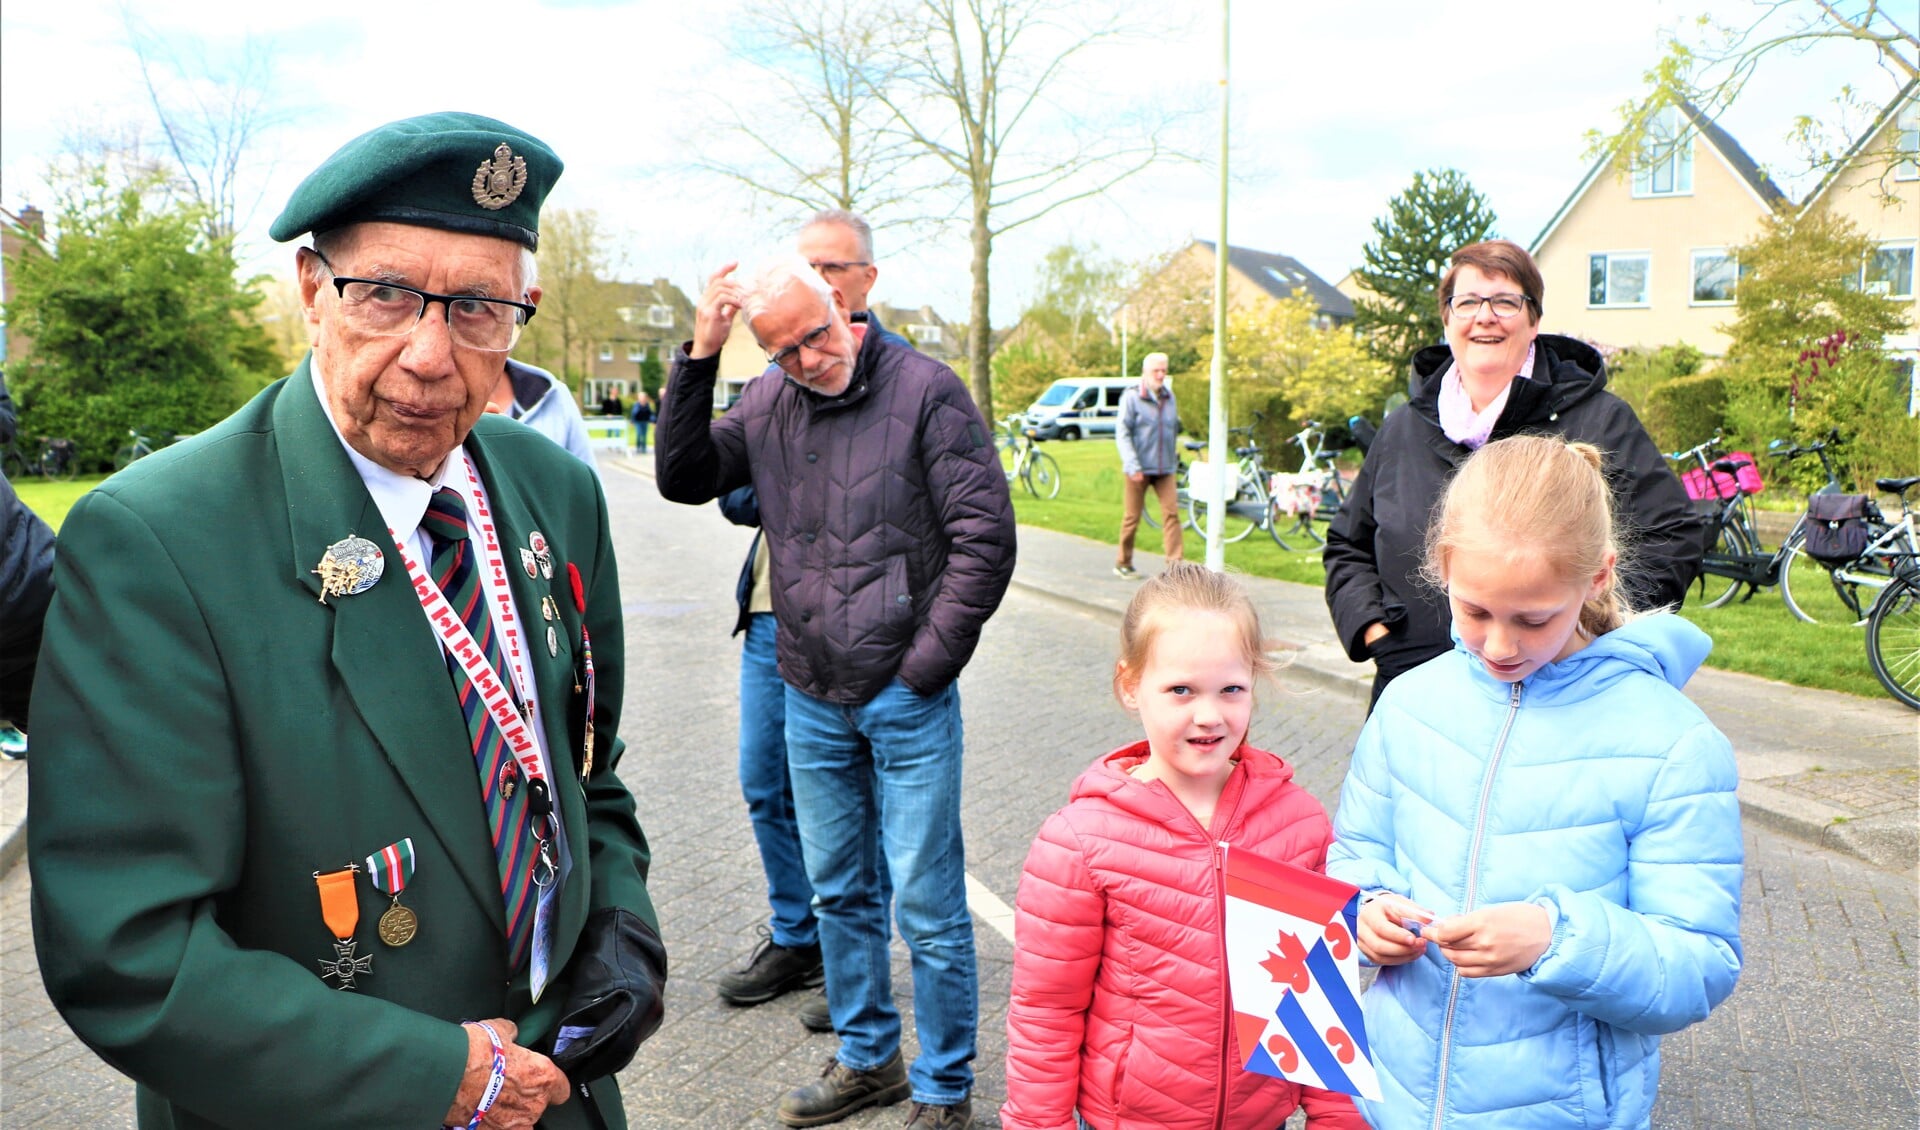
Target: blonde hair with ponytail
x=1537, y=496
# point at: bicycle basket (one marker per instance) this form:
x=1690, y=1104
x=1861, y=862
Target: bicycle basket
x=1837, y=527
x=1200, y=480
x=1719, y=484
x=1295, y=494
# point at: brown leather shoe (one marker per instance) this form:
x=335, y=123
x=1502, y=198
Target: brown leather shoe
x=926, y=1116
x=841, y=1090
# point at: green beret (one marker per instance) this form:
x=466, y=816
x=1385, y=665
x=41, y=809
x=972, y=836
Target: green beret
x=458, y=172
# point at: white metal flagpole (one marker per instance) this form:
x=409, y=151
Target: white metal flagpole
x=1217, y=394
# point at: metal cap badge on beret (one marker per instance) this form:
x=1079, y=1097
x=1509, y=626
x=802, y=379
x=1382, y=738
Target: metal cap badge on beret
x=457, y=172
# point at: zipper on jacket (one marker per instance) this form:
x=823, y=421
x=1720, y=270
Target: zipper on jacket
x=1220, y=907
x=1473, y=883
x=1226, y=1020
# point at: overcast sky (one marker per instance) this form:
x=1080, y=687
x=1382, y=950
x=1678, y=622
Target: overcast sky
x=1333, y=106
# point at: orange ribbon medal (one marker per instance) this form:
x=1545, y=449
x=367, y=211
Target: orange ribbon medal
x=340, y=909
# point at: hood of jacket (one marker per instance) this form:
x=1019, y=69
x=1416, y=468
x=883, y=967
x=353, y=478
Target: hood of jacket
x=1111, y=778
x=1566, y=371
x=1661, y=644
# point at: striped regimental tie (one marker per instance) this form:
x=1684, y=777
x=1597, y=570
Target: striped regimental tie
x=453, y=569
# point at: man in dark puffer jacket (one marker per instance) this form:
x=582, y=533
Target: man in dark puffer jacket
x=890, y=538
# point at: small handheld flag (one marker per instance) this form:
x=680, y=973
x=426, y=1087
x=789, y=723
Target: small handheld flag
x=1294, y=973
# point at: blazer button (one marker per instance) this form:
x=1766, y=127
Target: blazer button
x=809, y=539
x=812, y=458
x=805, y=617
x=901, y=599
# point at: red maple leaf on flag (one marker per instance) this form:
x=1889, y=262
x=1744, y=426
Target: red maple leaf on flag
x=1289, y=965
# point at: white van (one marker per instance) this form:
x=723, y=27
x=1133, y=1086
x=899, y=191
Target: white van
x=1078, y=406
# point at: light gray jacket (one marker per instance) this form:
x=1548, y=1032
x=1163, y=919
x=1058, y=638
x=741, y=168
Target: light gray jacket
x=1148, y=433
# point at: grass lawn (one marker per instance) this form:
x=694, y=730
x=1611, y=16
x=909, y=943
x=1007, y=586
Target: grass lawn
x=52, y=499
x=1758, y=637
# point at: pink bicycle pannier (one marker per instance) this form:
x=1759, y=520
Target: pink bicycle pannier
x=1745, y=480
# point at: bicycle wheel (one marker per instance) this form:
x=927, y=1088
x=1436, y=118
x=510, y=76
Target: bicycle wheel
x=14, y=466
x=1042, y=476
x=1715, y=590
x=62, y=470
x=1235, y=524
x=1277, y=523
x=1819, y=595
x=1893, y=641
x=127, y=455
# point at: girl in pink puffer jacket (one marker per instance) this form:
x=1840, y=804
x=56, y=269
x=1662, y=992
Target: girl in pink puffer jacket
x=1120, y=1015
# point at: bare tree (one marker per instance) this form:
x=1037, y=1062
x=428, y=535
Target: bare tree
x=1711, y=67
x=212, y=113
x=820, y=137
x=966, y=77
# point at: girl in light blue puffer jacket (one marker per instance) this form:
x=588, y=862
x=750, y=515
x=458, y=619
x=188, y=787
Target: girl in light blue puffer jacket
x=1546, y=826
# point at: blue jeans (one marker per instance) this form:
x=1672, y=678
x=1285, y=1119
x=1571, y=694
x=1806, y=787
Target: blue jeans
x=891, y=765
x=764, y=784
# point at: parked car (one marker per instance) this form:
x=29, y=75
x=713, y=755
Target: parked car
x=1077, y=406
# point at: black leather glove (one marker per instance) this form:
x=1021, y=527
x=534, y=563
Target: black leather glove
x=616, y=998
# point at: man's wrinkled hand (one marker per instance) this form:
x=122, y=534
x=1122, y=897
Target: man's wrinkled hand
x=1494, y=941
x=533, y=1082
x=713, y=318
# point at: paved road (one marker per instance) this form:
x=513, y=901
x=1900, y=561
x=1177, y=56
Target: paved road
x=1822, y=1030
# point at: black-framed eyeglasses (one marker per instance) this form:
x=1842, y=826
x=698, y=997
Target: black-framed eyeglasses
x=379, y=308
x=814, y=340
x=827, y=266
x=1504, y=305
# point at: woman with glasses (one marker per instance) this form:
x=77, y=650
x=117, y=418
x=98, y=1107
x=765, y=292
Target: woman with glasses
x=1495, y=375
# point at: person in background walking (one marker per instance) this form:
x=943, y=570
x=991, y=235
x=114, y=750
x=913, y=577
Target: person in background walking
x=1148, y=436
x=642, y=417
x=1548, y=825
x=1119, y=992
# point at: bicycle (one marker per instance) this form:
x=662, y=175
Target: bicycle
x=1250, y=502
x=1893, y=626
x=139, y=449
x=57, y=459
x=1036, y=470
x=1855, y=585
x=1818, y=592
x=1736, y=557
x=1317, y=490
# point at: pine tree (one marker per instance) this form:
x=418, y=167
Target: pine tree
x=1438, y=214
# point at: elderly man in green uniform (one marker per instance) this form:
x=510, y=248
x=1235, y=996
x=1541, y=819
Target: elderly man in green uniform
x=324, y=822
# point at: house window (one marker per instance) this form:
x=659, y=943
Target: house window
x=1664, y=165
x=624, y=313
x=1617, y=279
x=1888, y=271
x=1714, y=274
x=1906, y=141
x=606, y=353
x=636, y=351
x=925, y=335
x=661, y=316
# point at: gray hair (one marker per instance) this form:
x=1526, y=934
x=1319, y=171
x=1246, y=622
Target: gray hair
x=336, y=243
x=777, y=276
x=849, y=220
x=1150, y=359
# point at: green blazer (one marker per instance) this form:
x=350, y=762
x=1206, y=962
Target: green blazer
x=208, y=734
